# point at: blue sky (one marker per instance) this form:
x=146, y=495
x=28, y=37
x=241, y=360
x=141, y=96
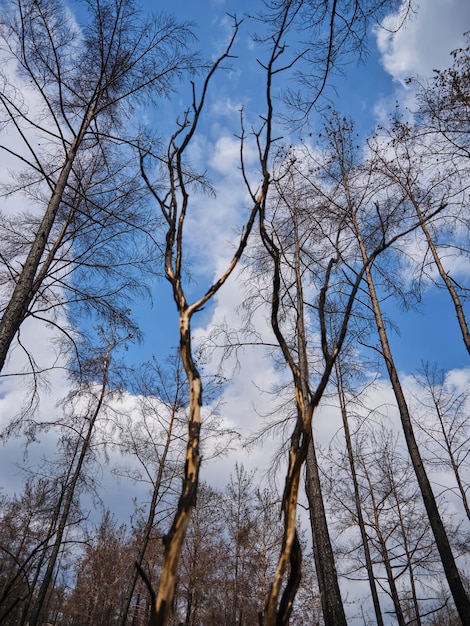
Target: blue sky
x=368, y=93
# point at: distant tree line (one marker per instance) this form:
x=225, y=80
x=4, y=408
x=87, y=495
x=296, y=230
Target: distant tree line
x=225, y=565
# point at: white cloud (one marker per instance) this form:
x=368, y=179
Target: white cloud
x=16, y=377
x=226, y=155
x=459, y=379
x=426, y=39
x=214, y=222
x=225, y=108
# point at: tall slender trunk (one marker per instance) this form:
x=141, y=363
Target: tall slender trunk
x=384, y=554
x=301, y=446
x=173, y=541
x=149, y=522
x=357, y=497
x=330, y=594
x=459, y=311
x=26, y=285
x=291, y=555
x=34, y=617
x=462, y=602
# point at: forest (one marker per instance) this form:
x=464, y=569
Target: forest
x=251, y=450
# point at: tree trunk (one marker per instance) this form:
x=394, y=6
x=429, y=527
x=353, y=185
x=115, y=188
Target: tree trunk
x=454, y=580
x=174, y=539
x=332, y=604
x=25, y=288
x=459, y=311
x=69, y=496
x=357, y=499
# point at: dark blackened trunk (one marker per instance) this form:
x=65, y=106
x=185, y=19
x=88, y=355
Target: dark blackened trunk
x=26, y=285
x=357, y=500
x=447, y=280
x=332, y=604
x=462, y=602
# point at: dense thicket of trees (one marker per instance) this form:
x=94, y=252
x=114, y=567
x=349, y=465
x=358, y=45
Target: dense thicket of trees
x=331, y=231
x=227, y=560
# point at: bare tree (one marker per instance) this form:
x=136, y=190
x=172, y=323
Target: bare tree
x=343, y=403
x=101, y=572
x=317, y=277
x=151, y=440
x=81, y=445
x=443, y=103
x=84, y=82
x=378, y=502
x=434, y=184
x=388, y=218
x=453, y=577
x=400, y=541
x=240, y=525
x=204, y=564
x=325, y=38
x=25, y=533
x=299, y=252
x=329, y=32
x=174, y=203
x=444, y=420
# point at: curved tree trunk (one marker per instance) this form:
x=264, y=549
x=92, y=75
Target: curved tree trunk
x=302, y=451
x=173, y=541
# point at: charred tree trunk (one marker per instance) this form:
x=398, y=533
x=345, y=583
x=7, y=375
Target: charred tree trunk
x=26, y=284
x=447, y=280
x=357, y=498
x=332, y=604
x=462, y=602
x=70, y=489
x=173, y=541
